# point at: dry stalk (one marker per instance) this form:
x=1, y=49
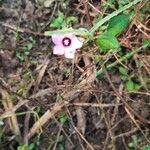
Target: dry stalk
x=12, y=119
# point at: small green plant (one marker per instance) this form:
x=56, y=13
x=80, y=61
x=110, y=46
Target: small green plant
x=135, y=142
x=21, y=55
x=60, y=140
x=22, y=147
x=146, y=147
x=60, y=21
x=129, y=83
x=32, y=146
x=123, y=71
x=62, y=118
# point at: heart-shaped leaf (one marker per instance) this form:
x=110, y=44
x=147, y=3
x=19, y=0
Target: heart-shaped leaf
x=118, y=24
x=106, y=42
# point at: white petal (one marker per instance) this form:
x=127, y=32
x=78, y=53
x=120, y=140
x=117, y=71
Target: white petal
x=69, y=55
x=76, y=43
x=58, y=50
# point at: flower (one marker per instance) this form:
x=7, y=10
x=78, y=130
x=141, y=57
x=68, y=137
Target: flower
x=66, y=44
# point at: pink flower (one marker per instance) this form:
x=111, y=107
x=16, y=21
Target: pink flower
x=66, y=44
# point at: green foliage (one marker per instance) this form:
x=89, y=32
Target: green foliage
x=81, y=31
x=61, y=147
x=146, y=147
x=147, y=8
x=28, y=75
x=70, y=20
x=62, y=117
x=57, y=22
x=122, y=3
x=147, y=42
x=123, y=71
x=21, y=55
x=32, y=146
x=60, y=21
x=60, y=140
x=135, y=142
x=129, y=83
x=106, y=41
x=22, y=147
x=118, y=24
x=115, y=13
x=132, y=86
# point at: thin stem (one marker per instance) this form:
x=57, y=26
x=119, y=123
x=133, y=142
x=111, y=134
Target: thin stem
x=125, y=57
x=81, y=31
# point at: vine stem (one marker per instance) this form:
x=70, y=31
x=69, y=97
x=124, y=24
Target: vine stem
x=124, y=58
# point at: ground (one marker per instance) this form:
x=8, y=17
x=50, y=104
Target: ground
x=51, y=102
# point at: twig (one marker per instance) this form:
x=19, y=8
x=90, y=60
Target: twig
x=93, y=105
x=124, y=102
x=26, y=128
x=77, y=131
x=41, y=73
x=85, y=3
x=12, y=120
x=127, y=133
x=133, y=119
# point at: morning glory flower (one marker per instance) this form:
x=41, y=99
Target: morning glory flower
x=66, y=44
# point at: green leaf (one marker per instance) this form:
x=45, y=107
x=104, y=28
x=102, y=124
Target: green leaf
x=106, y=42
x=19, y=56
x=123, y=71
x=62, y=117
x=57, y=22
x=107, y=18
x=29, y=46
x=31, y=146
x=147, y=42
x=118, y=24
x=132, y=86
x=22, y=147
x=146, y=147
x=60, y=138
x=71, y=19
x=131, y=145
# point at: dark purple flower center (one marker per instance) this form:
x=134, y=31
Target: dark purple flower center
x=66, y=41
